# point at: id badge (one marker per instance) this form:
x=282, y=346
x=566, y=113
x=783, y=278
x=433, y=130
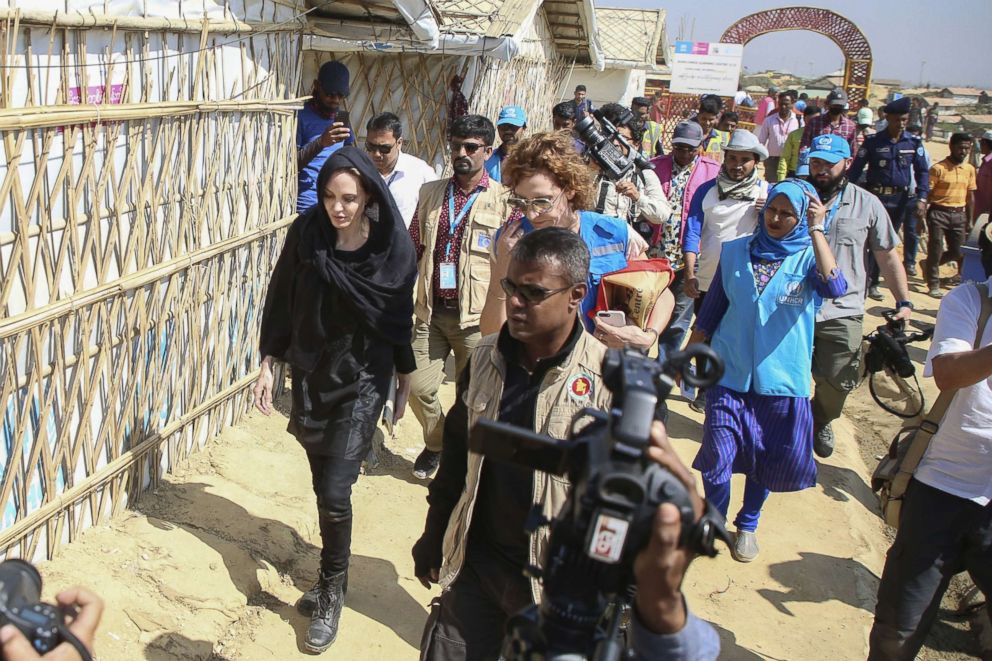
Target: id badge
x=448, y=275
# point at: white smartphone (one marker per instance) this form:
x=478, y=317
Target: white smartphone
x=612, y=317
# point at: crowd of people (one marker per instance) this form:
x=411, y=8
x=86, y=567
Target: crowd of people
x=507, y=265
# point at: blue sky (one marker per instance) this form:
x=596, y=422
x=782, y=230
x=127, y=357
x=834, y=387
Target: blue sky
x=953, y=37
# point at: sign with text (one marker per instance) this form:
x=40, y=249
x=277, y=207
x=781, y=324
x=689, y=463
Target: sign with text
x=701, y=67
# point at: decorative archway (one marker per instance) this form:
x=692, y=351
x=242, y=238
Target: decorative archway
x=841, y=31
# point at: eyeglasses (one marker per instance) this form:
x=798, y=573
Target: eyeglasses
x=371, y=148
x=469, y=147
x=538, y=204
x=683, y=148
x=529, y=294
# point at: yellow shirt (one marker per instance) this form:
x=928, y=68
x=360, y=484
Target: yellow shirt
x=790, y=154
x=950, y=183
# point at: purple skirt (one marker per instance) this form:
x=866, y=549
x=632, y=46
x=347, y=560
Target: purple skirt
x=768, y=438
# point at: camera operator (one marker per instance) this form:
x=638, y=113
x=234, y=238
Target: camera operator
x=638, y=198
x=15, y=647
x=537, y=373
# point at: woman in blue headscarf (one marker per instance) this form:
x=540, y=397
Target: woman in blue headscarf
x=759, y=315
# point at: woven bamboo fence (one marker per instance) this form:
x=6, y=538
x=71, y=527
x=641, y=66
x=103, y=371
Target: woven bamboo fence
x=148, y=182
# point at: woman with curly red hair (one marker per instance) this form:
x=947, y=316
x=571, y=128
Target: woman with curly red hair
x=551, y=184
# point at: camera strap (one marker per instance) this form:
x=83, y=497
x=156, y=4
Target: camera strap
x=931, y=421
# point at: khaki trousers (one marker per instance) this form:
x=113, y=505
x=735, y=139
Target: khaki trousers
x=432, y=344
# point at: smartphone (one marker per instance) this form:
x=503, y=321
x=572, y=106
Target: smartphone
x=612, y=317
x=341, y=116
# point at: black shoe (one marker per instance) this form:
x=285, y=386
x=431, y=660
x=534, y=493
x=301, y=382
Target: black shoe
x=426, y=464
x=699, y=403
x=823, y=441
x=910, y=269
x=326, y=613
x=308, y=601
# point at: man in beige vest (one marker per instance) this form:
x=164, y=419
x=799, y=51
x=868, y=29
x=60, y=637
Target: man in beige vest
x=537, y=373
x=455, y=223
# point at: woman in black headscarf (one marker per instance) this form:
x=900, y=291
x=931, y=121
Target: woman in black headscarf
x=339, y=310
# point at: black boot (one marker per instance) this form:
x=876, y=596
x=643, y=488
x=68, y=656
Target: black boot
x=327, y=612
x=308, y=601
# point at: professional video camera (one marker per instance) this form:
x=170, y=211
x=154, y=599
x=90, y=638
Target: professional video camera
x=887, y=353
x=616, y=490
x=20, y=604
x=601, y=146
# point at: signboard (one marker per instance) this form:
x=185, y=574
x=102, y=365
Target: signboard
x=701, y=67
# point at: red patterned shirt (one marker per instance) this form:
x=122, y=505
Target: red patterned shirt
x=821, y=124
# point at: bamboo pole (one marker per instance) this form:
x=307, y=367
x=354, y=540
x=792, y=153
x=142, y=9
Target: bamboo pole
x=37, y=17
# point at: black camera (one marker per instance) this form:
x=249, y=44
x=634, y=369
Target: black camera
x=887, y=347
x=588, y=577
x=601, y=145
x=20, y=604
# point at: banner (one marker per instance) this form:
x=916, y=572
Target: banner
x=700, y=67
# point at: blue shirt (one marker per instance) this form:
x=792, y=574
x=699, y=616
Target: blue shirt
x=494, y=164
x=309, y=126
x=607, y=239
x=893, y=163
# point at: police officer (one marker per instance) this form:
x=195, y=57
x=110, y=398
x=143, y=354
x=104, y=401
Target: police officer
x=894, y=158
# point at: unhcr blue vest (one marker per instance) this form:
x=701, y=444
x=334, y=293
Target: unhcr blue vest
x=766, y=341
x=607, y=239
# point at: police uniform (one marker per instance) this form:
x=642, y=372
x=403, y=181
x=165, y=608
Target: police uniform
x=892, y=166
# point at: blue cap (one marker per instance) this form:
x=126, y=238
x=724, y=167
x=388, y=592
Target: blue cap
x=334, y=78
x=898, y=107
x=802, y=165
x=830, y=148
x=514, y=115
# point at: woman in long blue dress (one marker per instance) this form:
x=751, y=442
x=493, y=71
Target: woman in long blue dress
x=759, y=314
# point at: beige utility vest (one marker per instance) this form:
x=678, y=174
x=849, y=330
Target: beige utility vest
x=484, y=218
x=575, y=384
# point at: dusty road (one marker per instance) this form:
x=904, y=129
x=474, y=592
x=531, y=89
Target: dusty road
x=210, y=565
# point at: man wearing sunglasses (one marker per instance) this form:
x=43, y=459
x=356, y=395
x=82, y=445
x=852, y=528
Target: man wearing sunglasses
x=453, y=229
x=681, y=173
x=404, y=173
x=538, y=372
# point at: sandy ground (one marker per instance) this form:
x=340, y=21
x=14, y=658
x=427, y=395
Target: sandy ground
x=210, y=565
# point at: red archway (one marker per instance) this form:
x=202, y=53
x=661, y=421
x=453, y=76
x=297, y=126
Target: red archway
x=844, y=33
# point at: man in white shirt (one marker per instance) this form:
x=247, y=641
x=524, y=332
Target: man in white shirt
x=774, y=130
x=946, y=521
x=404, y=173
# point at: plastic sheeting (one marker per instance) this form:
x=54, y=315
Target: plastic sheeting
x=500, y=48
x=260, y=11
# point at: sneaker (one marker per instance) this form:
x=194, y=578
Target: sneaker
x=699, y=404
x=823, y=441
x=910, y=269
x=875, y=294
x=426, y=464
x=745, y=546
x=935, y=292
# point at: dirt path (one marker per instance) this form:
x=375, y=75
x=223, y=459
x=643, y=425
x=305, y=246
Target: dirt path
x=210, y=565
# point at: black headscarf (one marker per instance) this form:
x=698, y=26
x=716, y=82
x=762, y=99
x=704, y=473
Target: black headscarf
x=379, y=288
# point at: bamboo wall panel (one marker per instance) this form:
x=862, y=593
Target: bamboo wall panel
x=148, y=182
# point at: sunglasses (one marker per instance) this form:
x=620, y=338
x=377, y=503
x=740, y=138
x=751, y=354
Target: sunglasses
x=371, y=148
x=469, y=147
x=529, y=293
x=538, y=204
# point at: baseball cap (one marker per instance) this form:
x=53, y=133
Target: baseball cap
x=687, y=133
x=899, y=106
x=830, y=148
x=334, y=78
x=513, y=115
x=865, y=116
x=838, y=97
x=986, y=136
x=742, y=140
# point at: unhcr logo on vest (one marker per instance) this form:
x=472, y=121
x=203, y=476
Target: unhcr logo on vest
x=793, y=293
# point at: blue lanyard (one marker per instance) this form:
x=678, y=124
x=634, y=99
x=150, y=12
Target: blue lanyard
x=833, y=210
x=453, y=220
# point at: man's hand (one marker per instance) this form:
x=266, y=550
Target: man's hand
x=902, y=314
x=921, y=209
x=262, y=392
x=333, y=134
x=617, y=337
x=628, y=190
x=403, y=384
x=15, y=646
x=660, y=568
x=691, y=287
x=429, y=579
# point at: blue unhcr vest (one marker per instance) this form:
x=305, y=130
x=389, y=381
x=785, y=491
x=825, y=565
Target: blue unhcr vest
x=766, y=341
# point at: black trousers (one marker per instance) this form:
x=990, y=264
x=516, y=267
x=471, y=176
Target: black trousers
x=333, y=478
x=939, y=536
x=468, y=622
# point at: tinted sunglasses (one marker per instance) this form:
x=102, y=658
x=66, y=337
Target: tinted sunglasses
x=529, y=293
x=538, y=204
x=371, y=148
x=469, y=147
